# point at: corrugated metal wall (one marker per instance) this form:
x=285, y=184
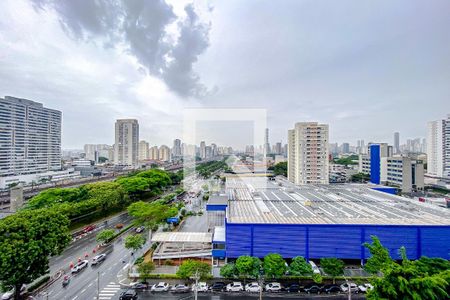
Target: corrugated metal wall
x=342, y=241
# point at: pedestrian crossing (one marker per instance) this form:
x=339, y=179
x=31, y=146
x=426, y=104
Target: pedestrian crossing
x=109, y=291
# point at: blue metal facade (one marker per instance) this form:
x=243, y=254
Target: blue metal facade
x=388, y=190
x=341, y=241
x=216, y=207
x=375, y=164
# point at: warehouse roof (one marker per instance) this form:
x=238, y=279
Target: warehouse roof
x=182, y=237
x=253, y=201
x=218, y=200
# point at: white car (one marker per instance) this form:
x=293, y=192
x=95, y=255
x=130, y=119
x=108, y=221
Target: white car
x=273, y=287
x=234, y=287
x=201, y=287
x=160, y=287
x=353, y=287
x=98, y=259
x=252, y=287
x=80, y=266
x=365, y=287
x=10, y=294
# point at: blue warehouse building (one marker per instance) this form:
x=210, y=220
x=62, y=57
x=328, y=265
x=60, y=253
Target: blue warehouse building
x=263, y=217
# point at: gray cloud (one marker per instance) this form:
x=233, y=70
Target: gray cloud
x=140, y=27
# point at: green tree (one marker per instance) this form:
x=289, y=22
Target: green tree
x=134, y=242
x=248, y=266
x=229, y=271
x=274, y=265
x=379, y=256
x=151, y=213
x=332, y=266
x=145, y=269
x=317, y=278
x=27, y=240
x=426, y=278
x=134, y=185
x=300, y=267
x=280, y=169
x=190, y=267
x=105, y=235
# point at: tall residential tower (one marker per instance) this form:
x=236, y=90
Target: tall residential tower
x=126, y=147
x=438, y=148
x=308, y=153
x=30, y=137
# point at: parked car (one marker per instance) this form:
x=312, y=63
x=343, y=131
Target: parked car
x=80, y=266
x=235, y=287
x=313, y=289
x=128, y=295
x=180, y=288
x=331, y=288
x=201, y=287
x=139, y=285
x=252, y=287
x=365, y=287
x=353, y=287
x=273, y=287
x=218, y=286
x=98, y=259
x=160, y=287
x=293, y=288
x=119, y=226
x=139, y=229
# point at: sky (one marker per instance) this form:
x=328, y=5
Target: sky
x=366, y=68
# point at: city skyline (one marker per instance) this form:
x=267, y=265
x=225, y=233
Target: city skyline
x=346, y=77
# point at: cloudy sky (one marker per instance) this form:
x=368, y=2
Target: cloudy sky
x=367, y=68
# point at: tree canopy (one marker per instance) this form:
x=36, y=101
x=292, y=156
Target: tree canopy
x=134, y=242
x=280, y=168
x=248, y=266
x=425, y=278
x=27, y=240
x=105, y=235
x=379, y=256
x=151, y=213
x=229, y=271
x=300, y=267
x=332, y=266
x=274, y=265
x=190, y=267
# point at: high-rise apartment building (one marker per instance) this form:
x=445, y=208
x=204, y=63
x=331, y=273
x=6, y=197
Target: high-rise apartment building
x=345, y=148
x=396, y=143
x=176, y=150
x=266, y=142
x=202, y=150
x=30, y=137
x=126, y=147
x=308, y=153
x=164, y=153
x=144, y=150
x=438, y=148
x=95, y=151
x=154, y=153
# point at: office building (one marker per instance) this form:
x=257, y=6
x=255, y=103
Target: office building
x=345, y=148
x=396, y=143
x=30, y=137
x=164, y=153
x=308, y=153
x=126, y=147
x=371, y=163
x=144, y=150
x=438, y=148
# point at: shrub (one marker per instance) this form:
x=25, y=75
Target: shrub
x=38, y=283
x=169, y=262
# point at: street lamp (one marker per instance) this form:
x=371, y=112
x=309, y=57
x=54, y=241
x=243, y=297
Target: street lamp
x=196, y=277
x=261, y=281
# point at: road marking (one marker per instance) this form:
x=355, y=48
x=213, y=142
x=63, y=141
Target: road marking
x=124, y=267
x=82, y=291
x=74, y=297
x=90, y=284
x=103, y=273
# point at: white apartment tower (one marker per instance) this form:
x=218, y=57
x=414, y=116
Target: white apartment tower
x=308, y=153
x=30, y=137
x=154, y=153
x=164, y=153
x=126, y=147
x=144, y=151
x=438, y=148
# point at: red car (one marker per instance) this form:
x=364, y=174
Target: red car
x=88, y=228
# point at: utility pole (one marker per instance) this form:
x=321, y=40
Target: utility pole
x=196, y=277
x=261, y=282
x=98, y=285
